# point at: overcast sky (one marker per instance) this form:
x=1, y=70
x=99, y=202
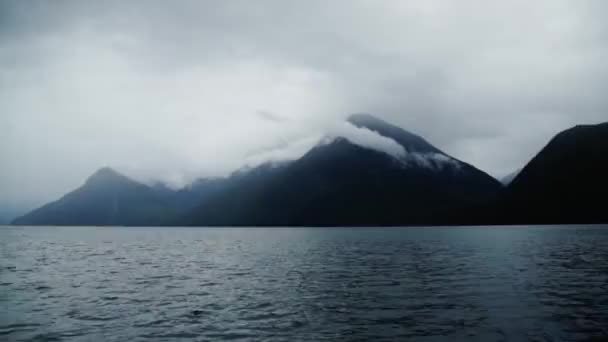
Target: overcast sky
x=175, y=90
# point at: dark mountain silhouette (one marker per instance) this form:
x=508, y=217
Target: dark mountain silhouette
x=341, y=183
x=565, y=183
x=192, y=195
x=106, y=198
x=109, y=198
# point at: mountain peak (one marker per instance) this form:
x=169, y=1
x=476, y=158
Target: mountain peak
x=562, y=182
x=106, y=171
x=106, y=175
x=411, y=142
x=364, y=118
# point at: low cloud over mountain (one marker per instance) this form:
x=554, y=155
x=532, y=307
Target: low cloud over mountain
x=177, y=90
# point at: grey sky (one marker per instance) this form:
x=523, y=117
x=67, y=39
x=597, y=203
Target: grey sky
x=181, y=89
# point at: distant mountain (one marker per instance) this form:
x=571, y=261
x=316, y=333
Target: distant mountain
x=353, y=181
x=6, y=216
x=106, y=198
x=565, y=183
x=109, y=198
x=506, y=180
x=342, y=183
x=191, y=195
x=338, y=182
x=5, y=219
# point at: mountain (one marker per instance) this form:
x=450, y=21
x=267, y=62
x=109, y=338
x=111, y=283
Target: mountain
x=411, y=142
x=109, y=198
x=342, y=183
x=348, y=181
x=191, y=195
x=506, y=180
x=8, y=212
x=106, y=198
x=565, y=182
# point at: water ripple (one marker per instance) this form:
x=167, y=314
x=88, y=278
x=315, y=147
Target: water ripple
x=486, y=284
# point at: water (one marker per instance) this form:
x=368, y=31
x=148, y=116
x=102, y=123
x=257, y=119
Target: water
x=423, y=284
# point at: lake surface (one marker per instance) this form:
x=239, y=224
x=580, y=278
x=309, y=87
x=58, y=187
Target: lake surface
x=292, y=284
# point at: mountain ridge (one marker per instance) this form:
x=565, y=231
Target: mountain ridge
x=341, y=183
x=565, y=182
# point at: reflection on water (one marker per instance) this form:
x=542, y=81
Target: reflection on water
x=117, y=284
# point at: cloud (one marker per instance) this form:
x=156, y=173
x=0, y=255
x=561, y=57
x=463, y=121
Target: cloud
x=365, y=138
x=271, y=116
x=174, y=91
x=435, y=161
x=284, y=153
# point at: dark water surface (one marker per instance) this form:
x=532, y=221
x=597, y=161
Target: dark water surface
x=423, y=284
